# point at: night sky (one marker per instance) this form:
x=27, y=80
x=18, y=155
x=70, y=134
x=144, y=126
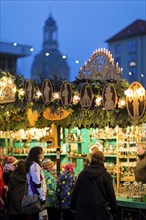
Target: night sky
x=83, y=26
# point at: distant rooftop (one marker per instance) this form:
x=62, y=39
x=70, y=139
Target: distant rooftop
x=14, y=49
x=138, y=27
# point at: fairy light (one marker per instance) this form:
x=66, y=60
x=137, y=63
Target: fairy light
x=31, y=49
x=47, y=54
x=14, y=89
x=21, y=92
x=64, y=57
x=56, y=96
x=121, y=103
x=76, y=99
x=38, y=93
x=98, y=101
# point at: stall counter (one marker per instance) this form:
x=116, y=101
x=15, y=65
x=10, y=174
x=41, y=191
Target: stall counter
x=131, y=210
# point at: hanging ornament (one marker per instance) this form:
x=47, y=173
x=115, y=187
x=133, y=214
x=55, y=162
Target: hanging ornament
x=47, y=91
x=86, y=96
x=66, y=94
x=135, y=100
x=7, y=90
x=29, y=90
x=109, y=97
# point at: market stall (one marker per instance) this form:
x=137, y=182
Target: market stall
x=66, y=119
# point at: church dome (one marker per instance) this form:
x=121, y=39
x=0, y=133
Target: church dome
x=49, y=63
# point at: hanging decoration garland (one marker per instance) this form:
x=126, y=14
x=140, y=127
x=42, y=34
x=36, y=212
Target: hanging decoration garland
x=64, y=103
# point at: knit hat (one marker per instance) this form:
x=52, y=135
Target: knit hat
x=47, y=163
x=10, y=160
x=69, y=168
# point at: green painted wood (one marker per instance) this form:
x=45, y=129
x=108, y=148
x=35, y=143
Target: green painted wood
x=130, y=203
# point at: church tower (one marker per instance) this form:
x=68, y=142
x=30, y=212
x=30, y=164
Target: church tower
x=50, y=34
x=50, y=63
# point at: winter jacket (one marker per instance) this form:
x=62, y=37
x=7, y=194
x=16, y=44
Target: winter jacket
x=8, y=169
x=36, y=181
x=51, y=198
x=15, y=193
x=140, y=170
x=65, y=186
x=2, y=184
x=86, y=201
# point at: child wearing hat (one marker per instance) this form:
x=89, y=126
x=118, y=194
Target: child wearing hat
x=9, y=162
x=51, y=198
x=65, y=187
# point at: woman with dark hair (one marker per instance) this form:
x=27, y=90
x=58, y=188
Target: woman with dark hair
x=93, y=190
x=35, y=176
x=16, y=189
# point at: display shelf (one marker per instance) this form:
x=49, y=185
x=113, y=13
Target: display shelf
x=75, y=157
x=108, y=155
x=126, y=157
x=24, y=155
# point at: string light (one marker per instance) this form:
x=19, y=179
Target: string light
x=31, y=49
x=38, y=93
x=47, y=54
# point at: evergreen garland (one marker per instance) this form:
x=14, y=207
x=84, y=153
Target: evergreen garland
x=13, y=116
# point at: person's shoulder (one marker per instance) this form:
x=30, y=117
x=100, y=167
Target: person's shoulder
x=35, y=167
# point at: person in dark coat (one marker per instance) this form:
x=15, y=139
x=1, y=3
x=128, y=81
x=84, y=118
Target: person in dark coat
x=16, y=190
x=140, y=170
x=86, y=202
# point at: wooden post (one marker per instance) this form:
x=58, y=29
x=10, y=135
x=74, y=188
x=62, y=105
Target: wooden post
x=58, y=160
x=56, y=134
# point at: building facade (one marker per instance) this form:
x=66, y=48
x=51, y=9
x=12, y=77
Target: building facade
x=50, y=63
x=128, y=48
x=9, y=53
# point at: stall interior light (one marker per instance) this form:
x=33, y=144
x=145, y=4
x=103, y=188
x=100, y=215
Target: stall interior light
x=47, y=54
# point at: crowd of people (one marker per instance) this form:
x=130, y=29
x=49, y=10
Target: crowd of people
x=67, y=196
